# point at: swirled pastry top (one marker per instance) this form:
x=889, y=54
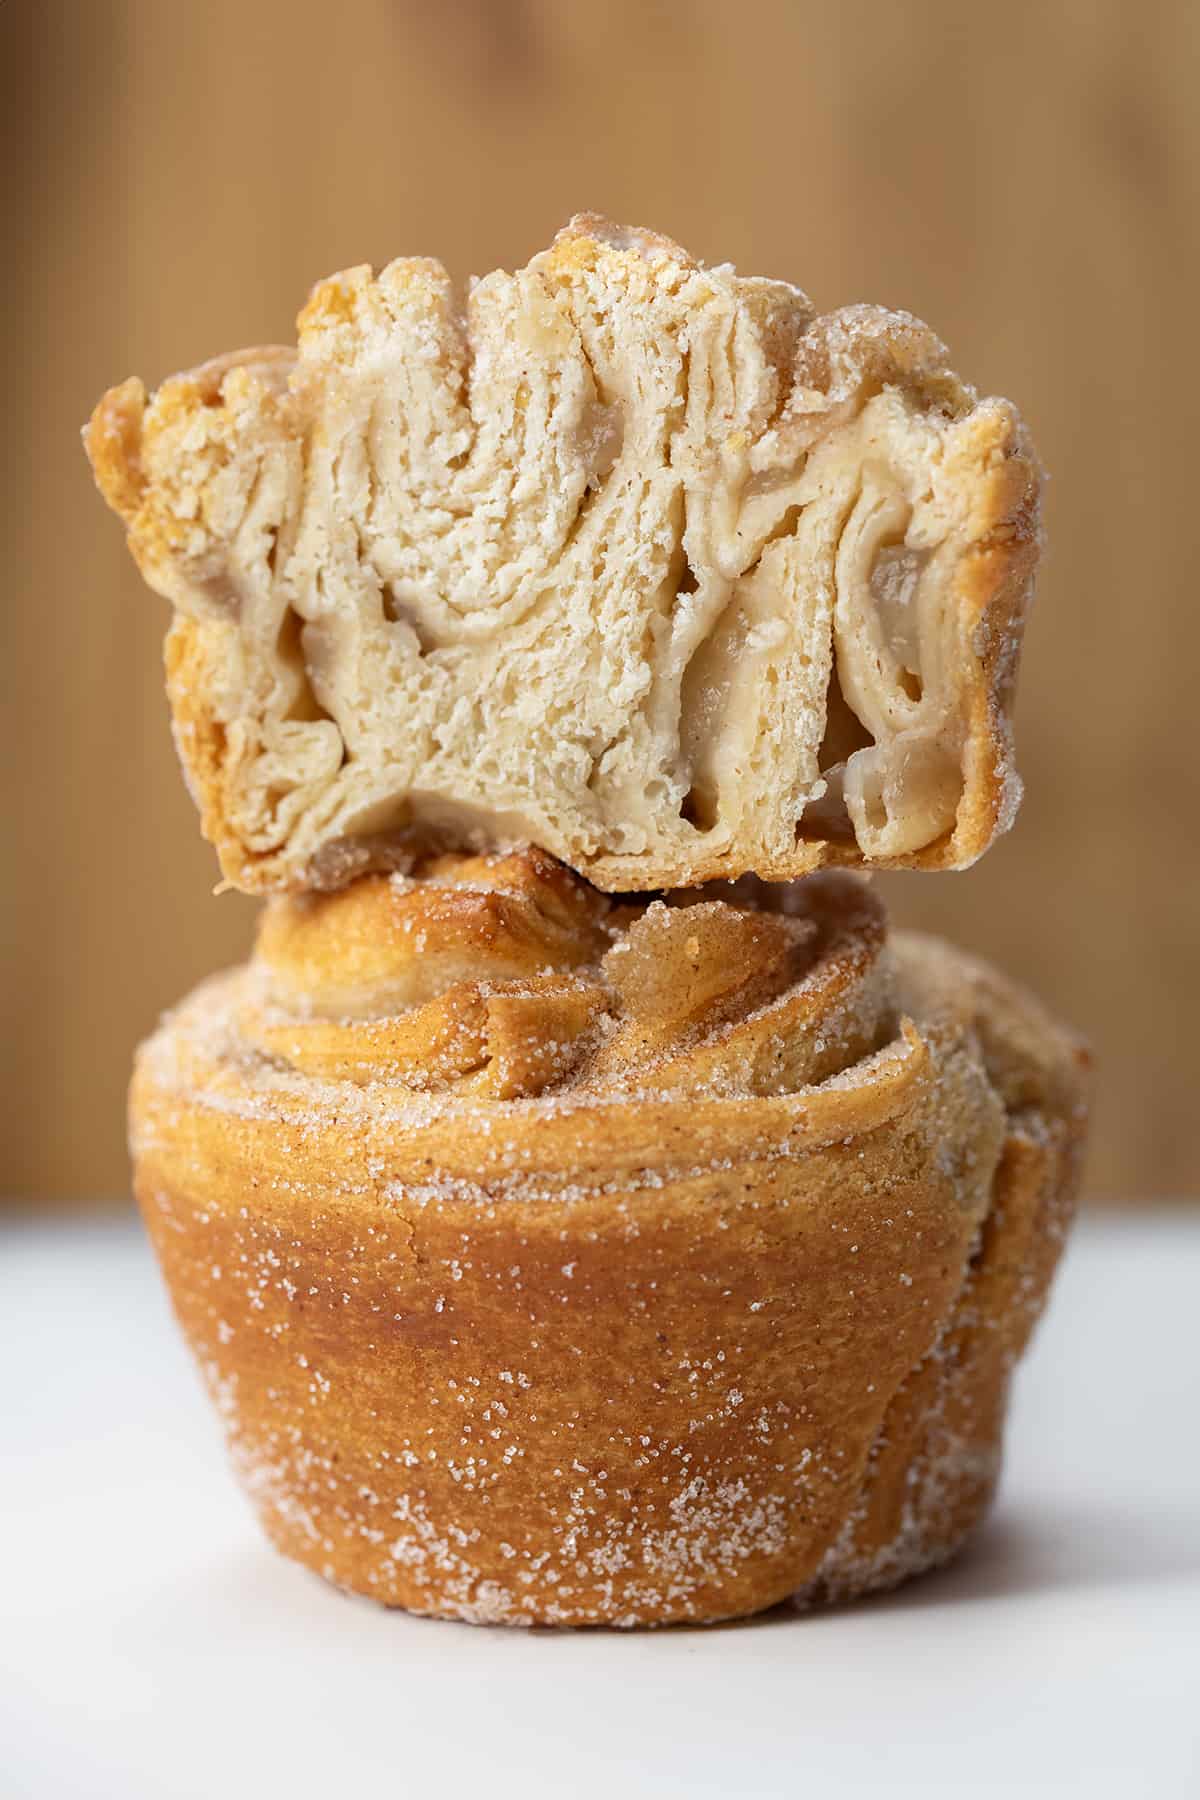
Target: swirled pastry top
x=495, y=1014
x=632, y=559
x=508, y=977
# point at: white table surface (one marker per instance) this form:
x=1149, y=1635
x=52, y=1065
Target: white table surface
x=152, y=1646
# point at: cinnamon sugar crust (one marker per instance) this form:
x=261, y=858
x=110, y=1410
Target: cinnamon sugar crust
x=560, y=1260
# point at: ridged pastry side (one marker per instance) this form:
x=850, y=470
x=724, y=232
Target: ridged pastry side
x=636, y=560
x=559, y=1261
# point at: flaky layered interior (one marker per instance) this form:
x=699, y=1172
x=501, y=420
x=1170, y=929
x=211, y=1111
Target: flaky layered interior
x=628, y=558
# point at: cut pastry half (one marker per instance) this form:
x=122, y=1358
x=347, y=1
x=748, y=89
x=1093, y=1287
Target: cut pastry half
x=634, y=560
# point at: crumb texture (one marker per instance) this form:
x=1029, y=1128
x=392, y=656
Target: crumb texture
x=635, y=560
x=555, y=1259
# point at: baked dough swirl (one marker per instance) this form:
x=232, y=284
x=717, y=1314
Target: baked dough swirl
x=559, y=1260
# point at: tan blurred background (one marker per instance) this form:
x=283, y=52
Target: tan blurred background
x=179, y=173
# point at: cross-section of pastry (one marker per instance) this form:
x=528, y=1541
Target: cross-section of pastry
x=556, y=1259
x=636, y=560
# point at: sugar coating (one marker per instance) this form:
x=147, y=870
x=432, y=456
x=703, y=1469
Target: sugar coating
x=720, y=1311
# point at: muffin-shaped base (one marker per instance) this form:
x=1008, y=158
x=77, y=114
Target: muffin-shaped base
x=718, y=1308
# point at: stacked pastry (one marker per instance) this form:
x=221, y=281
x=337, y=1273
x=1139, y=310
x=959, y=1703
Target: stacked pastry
x=583, y=1212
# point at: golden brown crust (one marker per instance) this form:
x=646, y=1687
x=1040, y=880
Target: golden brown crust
x=933, y=1468
x=389, y=942
x=712, y=1301
x=727, y=505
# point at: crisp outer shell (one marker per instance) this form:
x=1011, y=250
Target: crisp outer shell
x=621, y=1350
